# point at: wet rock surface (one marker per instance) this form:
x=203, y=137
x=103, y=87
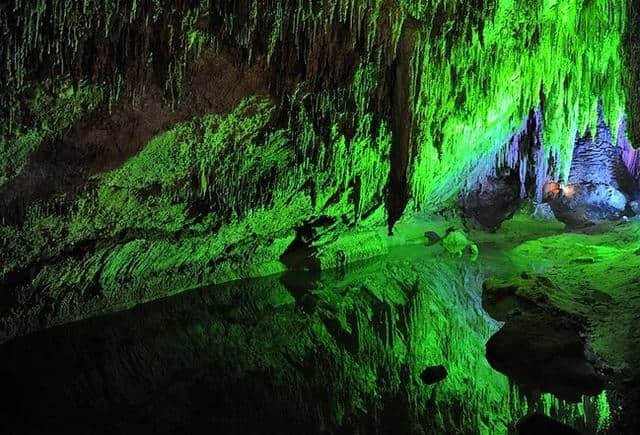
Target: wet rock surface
x=588, y=204
x=595, y=281
x=493, y=201
x=539, y=347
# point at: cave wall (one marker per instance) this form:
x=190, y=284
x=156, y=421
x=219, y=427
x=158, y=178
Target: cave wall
x=156, y=146
x=465, y=74
x=597, y=158
x=632, y=72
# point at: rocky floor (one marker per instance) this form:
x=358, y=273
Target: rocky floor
x=571, y=306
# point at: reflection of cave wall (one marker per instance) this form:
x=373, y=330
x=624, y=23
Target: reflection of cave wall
x=302, y=353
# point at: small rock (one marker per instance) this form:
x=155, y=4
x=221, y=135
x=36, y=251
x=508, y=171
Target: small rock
x=433, y=374
x=457, y=243
x=584, y=260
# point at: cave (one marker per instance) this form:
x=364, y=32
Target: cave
x=320, y=217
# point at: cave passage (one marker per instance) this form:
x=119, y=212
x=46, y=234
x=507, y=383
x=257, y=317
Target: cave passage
x=320, y=216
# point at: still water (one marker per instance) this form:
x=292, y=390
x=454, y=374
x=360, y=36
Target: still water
x=301, y=352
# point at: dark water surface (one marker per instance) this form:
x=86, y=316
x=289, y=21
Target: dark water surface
x=301, y=352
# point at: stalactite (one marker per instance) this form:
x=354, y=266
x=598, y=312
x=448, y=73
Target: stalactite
x=95, y=39
x=632, y=70
x=473, y=92
x=523, y=152
x=478, y=69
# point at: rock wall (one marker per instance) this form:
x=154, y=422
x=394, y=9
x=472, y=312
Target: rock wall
x=600, y=185
x=597, y=158
x=153, y=148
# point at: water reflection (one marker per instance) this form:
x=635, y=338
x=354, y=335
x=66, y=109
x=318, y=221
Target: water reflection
x=337, y=352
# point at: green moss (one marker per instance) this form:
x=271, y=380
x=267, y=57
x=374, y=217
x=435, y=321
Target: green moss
x=232, y=160
x=477, y=71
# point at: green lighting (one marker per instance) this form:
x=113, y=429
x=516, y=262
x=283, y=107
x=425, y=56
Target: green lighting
x=474, y=93
x=340, y=130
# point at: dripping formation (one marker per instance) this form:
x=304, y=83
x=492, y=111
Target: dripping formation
x=362, y=171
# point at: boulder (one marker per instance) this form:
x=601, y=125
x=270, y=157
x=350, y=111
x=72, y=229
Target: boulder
x=582, y=205
x=492, y=201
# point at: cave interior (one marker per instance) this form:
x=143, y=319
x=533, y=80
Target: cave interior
x=320, y=216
